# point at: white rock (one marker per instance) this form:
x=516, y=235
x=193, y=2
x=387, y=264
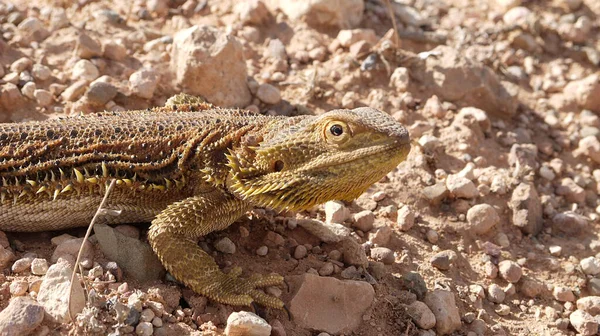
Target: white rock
x=348, y=37
x=336, y=212
x=563, y=294
x=215, y=57
x=30, y=25
x=143, y=83
x=421, y=314
x=517, y=15
x=584, y=323
x=400, y=79
x=363, y=220
x=159, y=8
x=144, y=329
x=590, y=146
x=468, y=171
x=555, y=250
x=21, y=265
x=461, y=187
x=28, y=89
x=547, y=173
x=589, y=304
x=429, y=142
x=21, y=316
x=54, y=293
x=590, y=265
x=39, y=266
x=252, y=12
x=43, y=97
x=443, y=306
x=18, y=288
x=510, y=271
x=41, y=72
x=496, y=294
x=245, y=323
x=482, y=218
x=406, y=218
x=337, y=13
x=84, y=69
x=268, y=94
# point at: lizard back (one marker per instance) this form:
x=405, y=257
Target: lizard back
x=60, y=168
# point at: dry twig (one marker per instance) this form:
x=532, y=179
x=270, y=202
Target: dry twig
x=87, y=235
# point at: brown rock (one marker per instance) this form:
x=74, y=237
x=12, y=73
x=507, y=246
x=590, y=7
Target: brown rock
x=523, y=157
x=585, y=92
x=336, y=13
x=443, y=259
x=442, y=304
x=363, y=220
x=527, y=209
x=510, y=271
x=87, y=47
x=531, y=287
x=571, y=191
x=330, y=305
x=453, y=77
x=482, y=218
x=20, y=317
x=383, y=254
x=569, y=222
x=436, y=193
x=210, y=63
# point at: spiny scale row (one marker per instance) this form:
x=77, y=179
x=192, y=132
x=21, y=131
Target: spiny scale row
x=53, y=187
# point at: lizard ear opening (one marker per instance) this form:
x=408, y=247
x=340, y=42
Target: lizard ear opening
x=278, y=166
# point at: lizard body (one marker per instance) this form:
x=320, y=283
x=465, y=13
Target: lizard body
x=190, y=169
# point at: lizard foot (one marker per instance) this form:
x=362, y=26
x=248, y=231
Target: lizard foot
x=234, y=290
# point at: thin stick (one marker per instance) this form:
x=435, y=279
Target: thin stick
x=87, y=235
x=393, y=17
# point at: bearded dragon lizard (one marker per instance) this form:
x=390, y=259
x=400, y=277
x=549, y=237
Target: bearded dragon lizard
x=190, y=168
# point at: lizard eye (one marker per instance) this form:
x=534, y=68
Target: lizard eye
x=336, y=129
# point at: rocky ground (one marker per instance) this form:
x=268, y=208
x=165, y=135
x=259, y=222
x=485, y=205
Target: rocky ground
x=489, y=228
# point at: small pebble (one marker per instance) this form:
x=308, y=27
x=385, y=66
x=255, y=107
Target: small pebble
x=510, y=271
x=405, y=219
x=379, y=196
x=144, y=329
x=39, y=266
x=18, y=287
x=268, y=94
x=383, y=254
x=300, y=252
x=443, y=260
x=502, y=310
x=327, y=269
x=563, y=294
x=432, y=236
x=590, y=265
x=555, y=250
x=262, y=251
x=225, y=245
x=496, y=294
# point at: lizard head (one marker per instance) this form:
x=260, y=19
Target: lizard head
x=304, y=161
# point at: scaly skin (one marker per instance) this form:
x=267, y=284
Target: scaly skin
x=191, y=169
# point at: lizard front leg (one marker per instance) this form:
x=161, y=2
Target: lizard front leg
x=172, y=236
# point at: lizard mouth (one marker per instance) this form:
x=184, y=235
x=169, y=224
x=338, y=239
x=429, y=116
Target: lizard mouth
x=382, y=154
